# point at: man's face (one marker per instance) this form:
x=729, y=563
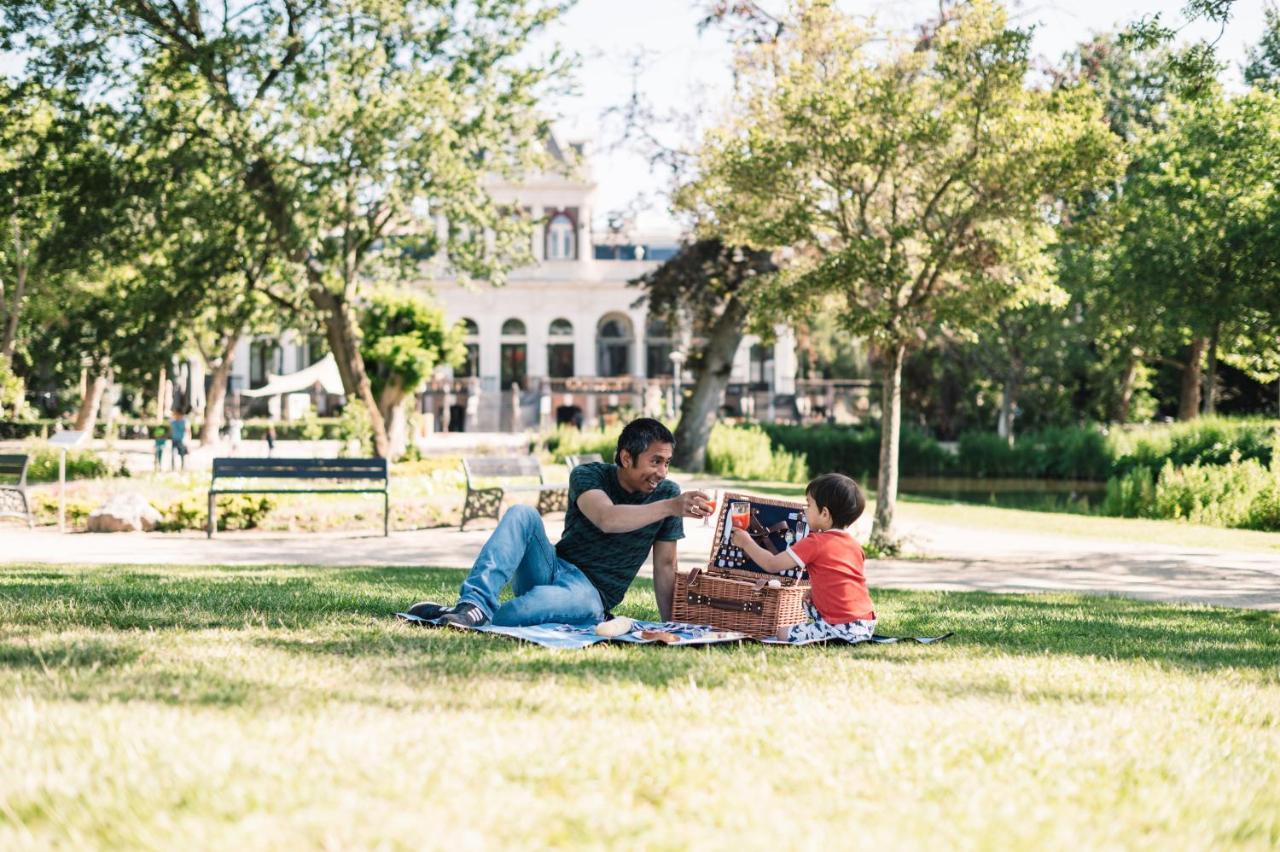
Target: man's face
x=646, y=472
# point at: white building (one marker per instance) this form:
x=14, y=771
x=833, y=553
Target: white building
x=564, y=339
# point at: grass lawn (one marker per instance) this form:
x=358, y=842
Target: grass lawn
x=249, y=708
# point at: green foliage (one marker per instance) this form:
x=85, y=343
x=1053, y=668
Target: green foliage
x=355, y=430
x=404, y=338
x=1059, y=453
x=1205, y=441
x=81, y=464
x=1239, y=493
x=1131, y=494
x=567, y=441
x=234, y=512
x=12, y=391
x=855, y=450
x=746, y=452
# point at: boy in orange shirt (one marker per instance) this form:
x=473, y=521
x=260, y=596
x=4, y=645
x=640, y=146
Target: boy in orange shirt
x=840, y=605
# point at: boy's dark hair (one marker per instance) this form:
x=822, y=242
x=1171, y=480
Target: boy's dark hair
x=839, y=495
x=638, y=435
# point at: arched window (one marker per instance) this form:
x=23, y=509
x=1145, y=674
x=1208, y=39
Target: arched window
x=613, y=346
x=560, y=349
x=658, y=347
x=471, y=339
x=562, y=243
x=514, y=355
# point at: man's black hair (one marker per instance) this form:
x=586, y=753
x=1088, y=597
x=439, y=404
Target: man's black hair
x=638, y=435
x=840, y=496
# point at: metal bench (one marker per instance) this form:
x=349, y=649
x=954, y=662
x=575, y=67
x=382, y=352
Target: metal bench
x=583, y=458
x=13, y=496
x=489, y=479
x=319, y=471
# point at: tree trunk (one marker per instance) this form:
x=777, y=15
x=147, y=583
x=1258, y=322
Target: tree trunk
x=1211, y=374
x=699, y=413
x=216, y=403
x=340, y=331
x=11, y=307
x=1008, y=399
x=392, y=404
x=90, y=401
x=890, y=430
x=1189, y=400
x=1124, y=400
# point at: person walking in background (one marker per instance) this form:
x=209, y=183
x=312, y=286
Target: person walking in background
x=271, y=440
x=161, y=438
x=178, y=434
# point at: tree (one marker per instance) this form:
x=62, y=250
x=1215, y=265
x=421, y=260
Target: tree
x=349, y=120
x=710, y=286
x=912, y=182
x=404, y=340
x=1263, y=67
x=1198, y=238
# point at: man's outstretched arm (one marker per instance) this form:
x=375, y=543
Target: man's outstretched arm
x=664, y=576
x=612, y=518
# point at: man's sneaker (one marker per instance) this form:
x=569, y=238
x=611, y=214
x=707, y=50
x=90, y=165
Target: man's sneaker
x=465, y=615
x=429, y=610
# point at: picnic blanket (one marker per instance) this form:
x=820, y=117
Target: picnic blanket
x=645, y=633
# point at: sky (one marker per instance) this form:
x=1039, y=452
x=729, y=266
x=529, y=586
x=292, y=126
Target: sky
x=685, y=71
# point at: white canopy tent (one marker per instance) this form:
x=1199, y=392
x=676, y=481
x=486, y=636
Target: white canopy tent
x=323, y=373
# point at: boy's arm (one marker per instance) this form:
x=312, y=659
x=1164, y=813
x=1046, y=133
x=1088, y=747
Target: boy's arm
x=774, y=563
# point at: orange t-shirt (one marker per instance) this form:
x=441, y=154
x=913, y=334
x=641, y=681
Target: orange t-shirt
x=834, y=560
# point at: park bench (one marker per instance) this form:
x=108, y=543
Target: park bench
x=13, y=496
x=322, y=476
x=489, y=479
x=583, y=458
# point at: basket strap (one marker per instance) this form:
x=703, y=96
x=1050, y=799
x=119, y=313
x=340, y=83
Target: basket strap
x=753, y=607
x=693, y=578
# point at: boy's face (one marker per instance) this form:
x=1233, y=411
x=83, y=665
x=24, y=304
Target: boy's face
x=819, y=519
x=646, y=472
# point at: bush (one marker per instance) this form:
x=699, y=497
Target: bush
x=1206, y=441
x=235, y=512
x=567, y=441
x=855, y=450
x=81, y=464
x=1130, y=495
x=1240, y=493
x=1054, y=453
x=355, y=427
x=745, y=452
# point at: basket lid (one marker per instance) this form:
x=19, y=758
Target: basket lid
x=775, y=524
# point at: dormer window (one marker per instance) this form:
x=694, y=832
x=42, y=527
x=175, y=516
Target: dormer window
x=562, y=241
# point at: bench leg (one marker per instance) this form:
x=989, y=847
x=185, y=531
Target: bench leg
x=210, y=525
x=481, y=503
x=386, y=513
x=26, y=507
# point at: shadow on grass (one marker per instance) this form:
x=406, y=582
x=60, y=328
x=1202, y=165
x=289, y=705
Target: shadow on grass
x=350, y=613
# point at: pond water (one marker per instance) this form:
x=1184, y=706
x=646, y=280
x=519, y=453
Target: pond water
x=1075, y=497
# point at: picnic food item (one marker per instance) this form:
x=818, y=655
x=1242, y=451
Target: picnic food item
x=733, y=593
x=663, y=636
x=615, y=627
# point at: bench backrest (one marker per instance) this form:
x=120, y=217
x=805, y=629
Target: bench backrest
x=493, y=467
x=300, y=468
x=582, y=458
x=14, y=466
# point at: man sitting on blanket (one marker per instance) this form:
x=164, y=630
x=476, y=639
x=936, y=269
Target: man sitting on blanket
x=617, y=514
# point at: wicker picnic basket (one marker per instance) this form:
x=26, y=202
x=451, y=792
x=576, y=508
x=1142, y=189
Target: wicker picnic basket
x=732, y=593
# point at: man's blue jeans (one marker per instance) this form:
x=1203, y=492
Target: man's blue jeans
x=547, y=589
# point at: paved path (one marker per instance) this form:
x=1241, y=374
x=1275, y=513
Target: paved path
x=967, y=559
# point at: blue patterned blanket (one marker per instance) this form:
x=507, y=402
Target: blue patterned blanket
x=644, y=633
